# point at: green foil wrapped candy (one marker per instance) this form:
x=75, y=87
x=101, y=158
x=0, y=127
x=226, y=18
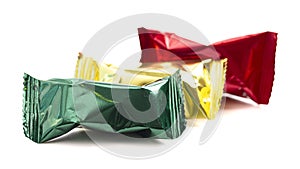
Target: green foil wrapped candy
x=54, y=107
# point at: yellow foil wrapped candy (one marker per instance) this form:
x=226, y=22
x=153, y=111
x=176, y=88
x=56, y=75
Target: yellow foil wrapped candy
x=203, y=82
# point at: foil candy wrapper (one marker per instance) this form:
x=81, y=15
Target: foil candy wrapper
x=54, y=107
x=203, y=82
x=251, y=59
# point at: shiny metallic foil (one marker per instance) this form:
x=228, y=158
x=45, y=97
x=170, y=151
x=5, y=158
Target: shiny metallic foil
x=203, y=82
x=251, y=58
x=52, y=108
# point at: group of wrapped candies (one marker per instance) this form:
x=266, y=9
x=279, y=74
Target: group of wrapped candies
x=178, y=79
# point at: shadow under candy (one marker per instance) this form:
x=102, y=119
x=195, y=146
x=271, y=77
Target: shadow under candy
x=87, y=136
x=233, y=104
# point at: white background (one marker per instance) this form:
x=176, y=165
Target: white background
x=43, y=39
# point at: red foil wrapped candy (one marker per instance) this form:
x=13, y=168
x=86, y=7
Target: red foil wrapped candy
x=251, y=59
